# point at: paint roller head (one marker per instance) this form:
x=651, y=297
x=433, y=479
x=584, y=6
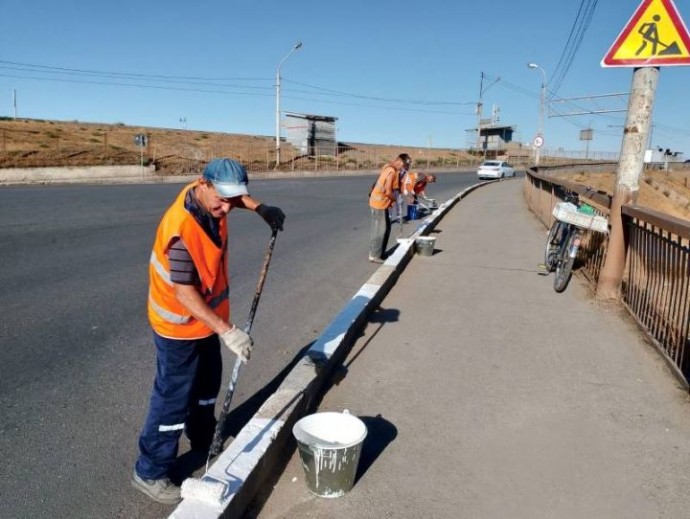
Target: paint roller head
x=207, y=490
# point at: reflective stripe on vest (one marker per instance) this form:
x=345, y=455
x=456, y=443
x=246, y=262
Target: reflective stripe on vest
x=160, y=269
x=184, y=319
x=168, y=315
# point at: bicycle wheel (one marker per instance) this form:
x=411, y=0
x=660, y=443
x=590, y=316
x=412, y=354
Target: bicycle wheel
x=553, y=245
x=564, y=264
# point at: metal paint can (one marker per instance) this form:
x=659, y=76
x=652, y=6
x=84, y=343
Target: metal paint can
x=425, y=245
x=329, y=446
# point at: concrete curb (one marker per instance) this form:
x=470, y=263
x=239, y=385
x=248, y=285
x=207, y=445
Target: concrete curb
x=250, y=458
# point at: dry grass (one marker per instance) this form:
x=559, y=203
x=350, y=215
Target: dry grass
x=664, y=191
x=36, y=143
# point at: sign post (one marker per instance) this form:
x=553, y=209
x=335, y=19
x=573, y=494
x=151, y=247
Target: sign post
x=141, y=140
x=655, y=36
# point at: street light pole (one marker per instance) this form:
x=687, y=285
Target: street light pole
x=541, y=110
x=294, y=48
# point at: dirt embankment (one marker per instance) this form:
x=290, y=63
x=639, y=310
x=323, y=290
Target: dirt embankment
x=664, y=191
x=27, y=143
x=37, y=143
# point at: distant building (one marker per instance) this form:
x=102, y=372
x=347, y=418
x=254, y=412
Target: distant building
x=493, y=138
x=312, y=134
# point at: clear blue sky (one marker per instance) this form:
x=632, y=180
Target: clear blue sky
x=398, y=72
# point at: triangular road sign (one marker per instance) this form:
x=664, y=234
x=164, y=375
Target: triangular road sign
x=655, y=36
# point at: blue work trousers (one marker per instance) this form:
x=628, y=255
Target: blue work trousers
x=188, y=377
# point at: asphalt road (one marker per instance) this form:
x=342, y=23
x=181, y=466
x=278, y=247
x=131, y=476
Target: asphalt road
x=77, y=359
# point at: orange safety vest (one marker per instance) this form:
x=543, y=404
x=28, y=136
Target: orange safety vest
x=168, y=317
x=378, y=198
x=408, y=182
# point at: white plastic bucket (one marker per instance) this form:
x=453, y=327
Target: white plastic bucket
x=329, y=446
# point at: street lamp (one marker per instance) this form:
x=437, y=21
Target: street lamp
x=539, y=140
x=293, y=49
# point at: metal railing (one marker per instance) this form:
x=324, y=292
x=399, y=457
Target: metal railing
x=656, y=284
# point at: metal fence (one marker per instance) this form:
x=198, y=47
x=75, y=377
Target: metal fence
x=44, y=143
x=656, y=285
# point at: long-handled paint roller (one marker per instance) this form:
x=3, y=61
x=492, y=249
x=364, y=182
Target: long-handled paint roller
x=207, y=488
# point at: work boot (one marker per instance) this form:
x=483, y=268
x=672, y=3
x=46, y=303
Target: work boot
x=160, y=490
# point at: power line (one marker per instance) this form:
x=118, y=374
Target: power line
x=577, y=32
x=392, y=108
x=203, y=84
x=139, y=85
x=382, y=99
x=46, y=68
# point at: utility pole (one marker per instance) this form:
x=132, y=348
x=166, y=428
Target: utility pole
x=630, y=166
x=479, y=108
x=542, y=97
x=295, y=47
x=428, y=157
x=479, y=112
x=14, y=101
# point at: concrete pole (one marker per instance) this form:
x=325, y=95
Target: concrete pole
x=542, y=98
x=479, y=112
x=541, y=116
x=295, y=47
x=277, y=118
x=630, y=167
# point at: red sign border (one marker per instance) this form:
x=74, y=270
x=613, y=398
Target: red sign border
x=678, y=23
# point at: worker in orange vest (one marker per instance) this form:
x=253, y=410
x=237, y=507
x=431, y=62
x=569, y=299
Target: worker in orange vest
x=381, y=198
x=189, y=312
x=414, y=184
x=420, y=184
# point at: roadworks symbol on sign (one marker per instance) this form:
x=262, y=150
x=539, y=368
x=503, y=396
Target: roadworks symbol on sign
x=654, y=36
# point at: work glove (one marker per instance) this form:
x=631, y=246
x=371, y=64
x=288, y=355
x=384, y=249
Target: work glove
x=238, y=342
x=272, y=215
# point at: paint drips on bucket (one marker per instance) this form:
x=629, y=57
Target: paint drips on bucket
x=330, y=445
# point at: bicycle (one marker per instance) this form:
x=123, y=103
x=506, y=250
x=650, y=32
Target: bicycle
x=565, y=237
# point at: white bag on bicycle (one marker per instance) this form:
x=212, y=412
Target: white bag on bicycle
x=567, y=212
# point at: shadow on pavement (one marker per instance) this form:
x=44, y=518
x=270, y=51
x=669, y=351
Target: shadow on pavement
x=380, y=432
x=379, y=317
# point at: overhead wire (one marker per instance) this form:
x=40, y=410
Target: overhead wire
x=373, y=98
x=577, y=32
x=218, y=85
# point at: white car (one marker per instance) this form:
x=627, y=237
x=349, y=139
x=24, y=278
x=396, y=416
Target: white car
x=495, y=169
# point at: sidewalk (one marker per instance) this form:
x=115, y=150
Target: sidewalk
x=488, y=395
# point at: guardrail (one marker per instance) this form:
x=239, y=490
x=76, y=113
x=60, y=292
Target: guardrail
x=656, y=285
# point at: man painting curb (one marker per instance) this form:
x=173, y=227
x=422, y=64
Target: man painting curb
x=189, y=312
x=382, y=197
